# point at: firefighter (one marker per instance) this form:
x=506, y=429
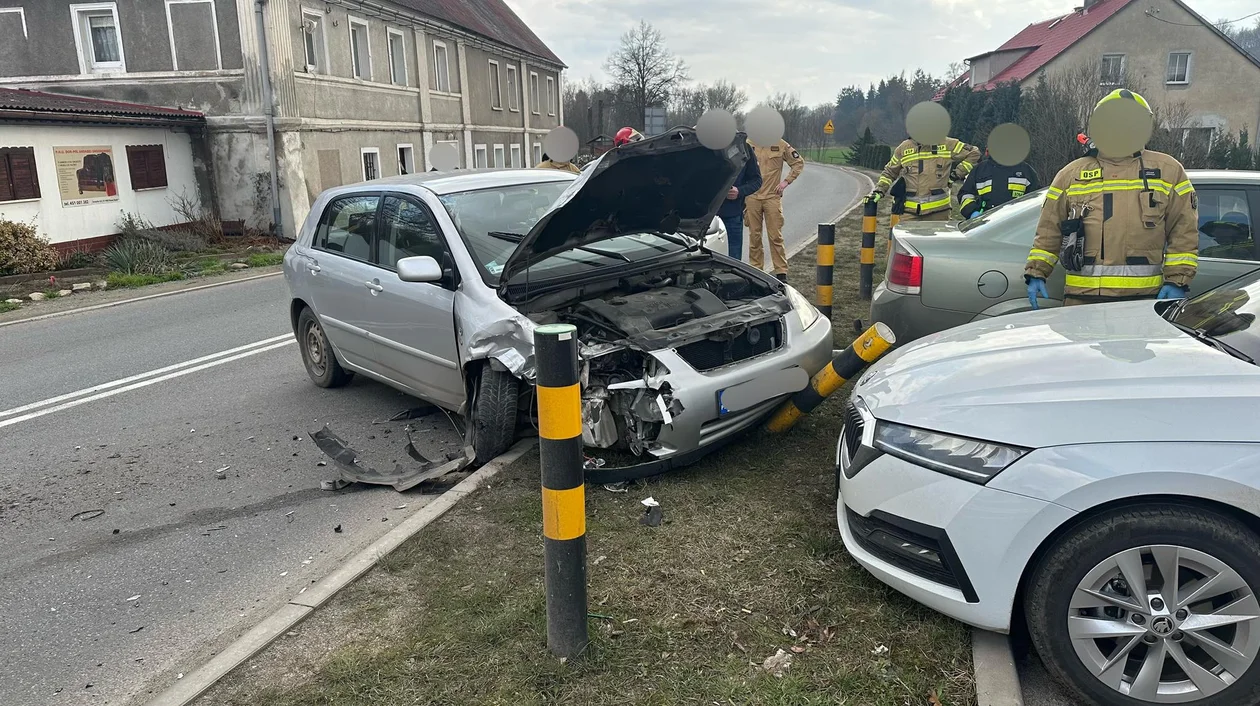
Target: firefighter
x=992, y=184
x=549, y=163
x=927, y=170
x=1123, y=227
x=767, y=204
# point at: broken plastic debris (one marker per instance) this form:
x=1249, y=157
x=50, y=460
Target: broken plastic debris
x=85, y=515
x=650, y=502
x=590, y=462
x=134, y=598
x=778, y=663
x=334, y=484
x=880, y=650
x=414, y=413
x=347, y=460
x=652, y=514
x=622, y=487
x=221, y=473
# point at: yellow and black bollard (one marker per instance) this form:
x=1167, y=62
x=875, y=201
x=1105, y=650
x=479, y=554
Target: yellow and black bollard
x=563, y=488
x=826, y=267
x=844, y=367
x=867, y=260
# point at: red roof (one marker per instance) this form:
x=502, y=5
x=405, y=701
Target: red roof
x=1048, y=39
x=19, y=100
x=492, y=19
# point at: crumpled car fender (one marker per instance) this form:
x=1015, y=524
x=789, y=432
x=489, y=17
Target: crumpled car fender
x=489, y=329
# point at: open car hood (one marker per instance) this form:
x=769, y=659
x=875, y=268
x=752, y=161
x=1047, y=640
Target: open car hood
x=665, y=184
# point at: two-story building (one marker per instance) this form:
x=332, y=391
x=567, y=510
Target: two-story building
x=1163, y=46
x=359, y=89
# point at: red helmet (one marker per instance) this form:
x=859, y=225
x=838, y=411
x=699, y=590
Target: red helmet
x=626, y=135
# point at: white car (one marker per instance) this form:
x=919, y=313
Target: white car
x=1093, y=471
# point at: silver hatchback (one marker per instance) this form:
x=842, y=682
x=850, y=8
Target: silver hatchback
x=434, y=283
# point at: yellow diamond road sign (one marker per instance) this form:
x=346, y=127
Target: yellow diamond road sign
x=829, y=128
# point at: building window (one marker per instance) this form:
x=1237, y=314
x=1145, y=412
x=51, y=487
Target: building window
x=479, y=157
x=97, y=37
x=441, y=68
x=454, y=144
x=360, y=50
x=1198, y=141
x=516, y=157
x=18, y=180
x=371, y=163
x=1112, y=70
x=406, y=159
x=537, y=153
x=147, y=165
x=313, y=36
x=533, y=92
x=512, y=89
x=397, y=58
x=498, y=157
x=551, y=96
x=1178, y=67
x=496, y=91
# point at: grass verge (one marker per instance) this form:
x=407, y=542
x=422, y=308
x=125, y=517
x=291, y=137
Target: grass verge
x=8, y=306
x=747, y=562
x=265, y=259
x=117, y=279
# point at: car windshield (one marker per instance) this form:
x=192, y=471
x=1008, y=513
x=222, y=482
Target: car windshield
x=1013, y=209
x=1225, y=315
x=493, y=221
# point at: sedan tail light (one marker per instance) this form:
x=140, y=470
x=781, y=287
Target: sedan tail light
x=905, y=269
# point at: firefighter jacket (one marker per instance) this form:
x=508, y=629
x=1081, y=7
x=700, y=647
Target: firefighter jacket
x=770, y=162
x=927, y=171
x=1139, y=216
x=992, y=184
x=562, y=166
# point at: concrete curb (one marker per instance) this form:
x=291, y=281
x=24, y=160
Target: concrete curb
x=120, y=302
x=792, y=252
x=997, y=682
x=302, y=605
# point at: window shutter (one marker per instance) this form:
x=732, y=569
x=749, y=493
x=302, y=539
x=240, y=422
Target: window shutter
x=137, y=166
x=157, y=167
x=22, y=173
x=6, y=186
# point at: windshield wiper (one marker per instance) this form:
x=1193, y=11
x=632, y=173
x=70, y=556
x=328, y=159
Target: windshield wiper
x=605, y=253
x=1204, y=337
x=504, y=235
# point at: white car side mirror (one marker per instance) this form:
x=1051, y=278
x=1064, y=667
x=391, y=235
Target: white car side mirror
x=421, y=268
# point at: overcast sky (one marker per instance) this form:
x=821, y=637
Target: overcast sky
x=809, y=47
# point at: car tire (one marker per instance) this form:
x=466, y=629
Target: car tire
x=1063, y=619
x=317, y=353
x=493, y=415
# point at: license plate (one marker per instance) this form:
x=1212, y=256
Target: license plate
x=753, y=392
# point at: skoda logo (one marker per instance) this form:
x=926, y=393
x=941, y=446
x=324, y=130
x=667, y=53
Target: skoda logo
x=1162, y=625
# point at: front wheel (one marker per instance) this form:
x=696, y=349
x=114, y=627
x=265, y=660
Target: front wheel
x=493, y=415
x=317, y=353
x=1151, y=605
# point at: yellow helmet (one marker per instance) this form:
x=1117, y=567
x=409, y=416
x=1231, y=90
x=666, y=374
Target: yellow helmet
x=1125, y=93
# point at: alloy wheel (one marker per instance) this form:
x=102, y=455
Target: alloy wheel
x=1165, y=624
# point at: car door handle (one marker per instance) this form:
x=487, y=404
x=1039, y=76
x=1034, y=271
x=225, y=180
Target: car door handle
x=312, y=266
x=374, y=286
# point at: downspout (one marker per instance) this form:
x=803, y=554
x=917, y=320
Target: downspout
x=269, y=106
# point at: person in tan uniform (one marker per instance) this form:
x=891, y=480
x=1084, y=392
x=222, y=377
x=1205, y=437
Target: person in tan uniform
x=927, y=171
x=767, y=203
x=1123, y=228
x=549, y=163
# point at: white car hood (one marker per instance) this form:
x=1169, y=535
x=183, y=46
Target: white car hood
x=1086, y=374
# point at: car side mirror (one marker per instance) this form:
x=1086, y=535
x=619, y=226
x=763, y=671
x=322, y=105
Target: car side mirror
x=420, y=268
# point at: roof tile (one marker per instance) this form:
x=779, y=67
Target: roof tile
x=492, y=19
x=22, y=99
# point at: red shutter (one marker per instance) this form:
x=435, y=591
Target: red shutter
x=157, y=166
x=22, y=173
x=6, y=186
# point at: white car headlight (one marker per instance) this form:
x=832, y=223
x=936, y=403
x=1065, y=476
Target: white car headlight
x=806, y=311
x=969, y=459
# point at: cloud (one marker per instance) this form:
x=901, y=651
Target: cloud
x=808, y=47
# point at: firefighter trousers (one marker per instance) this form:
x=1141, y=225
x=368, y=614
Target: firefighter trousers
x=771, y=209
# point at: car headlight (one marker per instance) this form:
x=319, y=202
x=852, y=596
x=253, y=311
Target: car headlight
x=806, y=311
x=969, y=459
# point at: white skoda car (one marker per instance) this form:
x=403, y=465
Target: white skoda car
x=1093, y=471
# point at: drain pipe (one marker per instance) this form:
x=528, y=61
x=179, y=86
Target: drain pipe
x=269, y=103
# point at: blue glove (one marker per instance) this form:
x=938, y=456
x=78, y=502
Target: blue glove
x=1171, y=291
x=975, y=214
x=1036, y=288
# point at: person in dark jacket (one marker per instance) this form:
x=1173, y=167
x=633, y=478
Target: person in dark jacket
x=732, y=209
x=992, y=184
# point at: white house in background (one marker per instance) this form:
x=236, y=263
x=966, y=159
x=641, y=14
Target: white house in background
x=73, y=166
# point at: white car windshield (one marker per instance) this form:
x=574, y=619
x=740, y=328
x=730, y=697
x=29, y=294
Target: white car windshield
x=492, y=223
x=1225, y=315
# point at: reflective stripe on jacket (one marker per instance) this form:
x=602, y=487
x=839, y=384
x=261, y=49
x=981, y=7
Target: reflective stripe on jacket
x=992, y=184
x=926, y=170
x=1140, y=217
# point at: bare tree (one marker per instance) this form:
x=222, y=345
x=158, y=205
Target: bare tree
x=789, y=106
x=725, y=96
x=645, y=69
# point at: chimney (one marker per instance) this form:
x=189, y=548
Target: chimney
x=1089, y=4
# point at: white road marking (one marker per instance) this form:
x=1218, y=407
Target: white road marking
x=134, y=382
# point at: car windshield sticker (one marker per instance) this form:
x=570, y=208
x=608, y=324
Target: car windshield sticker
x=493, y=267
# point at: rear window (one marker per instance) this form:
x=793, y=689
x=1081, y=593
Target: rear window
x=1009, y=212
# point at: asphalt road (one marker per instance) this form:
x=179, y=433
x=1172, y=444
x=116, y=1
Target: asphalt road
x=820, y=194
x=111, y=609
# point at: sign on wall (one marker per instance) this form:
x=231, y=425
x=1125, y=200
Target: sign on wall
x=85, y=175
